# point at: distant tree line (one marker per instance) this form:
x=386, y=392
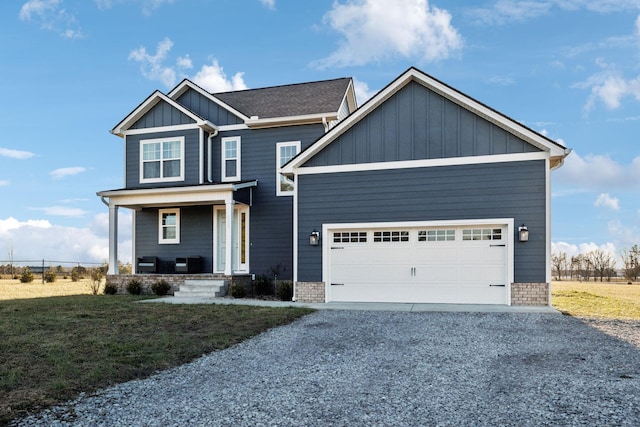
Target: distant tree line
x=596, y=264
x=76, y=272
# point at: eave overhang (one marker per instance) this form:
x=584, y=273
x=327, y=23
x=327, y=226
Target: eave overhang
x=258, y=123
x=208, y=194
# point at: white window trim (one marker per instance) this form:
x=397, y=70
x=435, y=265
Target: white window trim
x=161, y=179
x=296, y=144
x=162, y=241
x=223, y=168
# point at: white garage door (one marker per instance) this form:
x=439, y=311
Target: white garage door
x=419, y=264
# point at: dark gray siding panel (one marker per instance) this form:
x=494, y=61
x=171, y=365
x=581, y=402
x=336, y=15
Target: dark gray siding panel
x=416, y=124
x=191, y=163
x=162, y=114
x=208, y=109
x=271, y=217
x=196, y=237
x=500, y=190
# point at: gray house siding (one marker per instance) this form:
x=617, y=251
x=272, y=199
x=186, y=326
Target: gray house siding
x=417, y=123
x=162, y=114
x=271, y=217
x=191, y=162
x=499, y=190
x=196, y=237
x=204, y=107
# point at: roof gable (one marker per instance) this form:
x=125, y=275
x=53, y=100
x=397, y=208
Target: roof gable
x=156, y=111
x=186, y=92
x=416, y=123
x=445, y=103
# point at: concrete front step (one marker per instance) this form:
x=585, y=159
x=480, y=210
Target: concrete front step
x=202, y=289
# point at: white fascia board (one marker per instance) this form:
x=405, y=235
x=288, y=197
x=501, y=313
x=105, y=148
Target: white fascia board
x=149, y=103
x=424, y=163
x=291, y=120
x=161, y=129
x=174, y=196
x=188, y=84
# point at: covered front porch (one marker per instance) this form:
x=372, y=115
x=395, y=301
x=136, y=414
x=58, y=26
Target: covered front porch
x=168, y=238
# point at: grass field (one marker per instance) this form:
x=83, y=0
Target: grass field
x=56, y=347
x=13, y=289
x=597, y=299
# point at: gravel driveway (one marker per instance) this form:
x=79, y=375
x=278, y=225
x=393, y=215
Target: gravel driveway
x=376, y=368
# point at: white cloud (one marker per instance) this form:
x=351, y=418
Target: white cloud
x=598, y=173
x=62, y=211
x=210, y=77
x=269, y=4
x=604, y=200
x=39, y=239
x=376, y=30
x=52, y=17
x=213, y=78
x=363, y=93
x=64, y=172
x=501, y=12
x=152, y=66
x=4, y=183
x=583, y=248
x=148, y=6
x=15, y=154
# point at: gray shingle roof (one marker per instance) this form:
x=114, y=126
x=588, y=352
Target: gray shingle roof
x=289, y=100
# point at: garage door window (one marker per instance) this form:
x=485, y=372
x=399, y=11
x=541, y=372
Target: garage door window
x=350, y=237
x=482, y=234
x=391, y=236
x=436, y=235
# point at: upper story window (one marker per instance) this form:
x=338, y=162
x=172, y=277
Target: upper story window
x=169, y=226
x=230, y=158
x=162, y=159
x=285, y=151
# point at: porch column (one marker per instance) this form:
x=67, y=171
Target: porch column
x=113, y=239
x=228, y=256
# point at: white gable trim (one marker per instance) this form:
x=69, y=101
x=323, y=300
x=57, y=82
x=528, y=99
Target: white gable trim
x=425, y=163
x=515, y=128
x=156, y=97
x=188, y=84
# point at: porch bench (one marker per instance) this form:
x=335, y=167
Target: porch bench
x=147, y=264
x=189, y=265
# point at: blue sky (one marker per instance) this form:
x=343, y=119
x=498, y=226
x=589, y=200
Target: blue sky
x=72, y=69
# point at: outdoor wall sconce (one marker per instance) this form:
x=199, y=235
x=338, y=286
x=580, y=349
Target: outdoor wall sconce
x=523, y=233
x=314, y=238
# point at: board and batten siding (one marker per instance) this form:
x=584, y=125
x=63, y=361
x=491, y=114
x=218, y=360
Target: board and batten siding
x=204, y=107
x=196, y=237
x=417, y=123
x=162, y=114
x=191, y=159
x=478, y=191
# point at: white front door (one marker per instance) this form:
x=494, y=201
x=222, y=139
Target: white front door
x=240, y=239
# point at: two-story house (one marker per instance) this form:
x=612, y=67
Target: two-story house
x=423, y=194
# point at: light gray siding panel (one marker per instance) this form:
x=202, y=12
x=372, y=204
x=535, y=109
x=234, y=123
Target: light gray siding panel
x=208, y=109
x=162, y=114
x=502, y=190
x=416, y=124
x=192, y=156
x=196, y=237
